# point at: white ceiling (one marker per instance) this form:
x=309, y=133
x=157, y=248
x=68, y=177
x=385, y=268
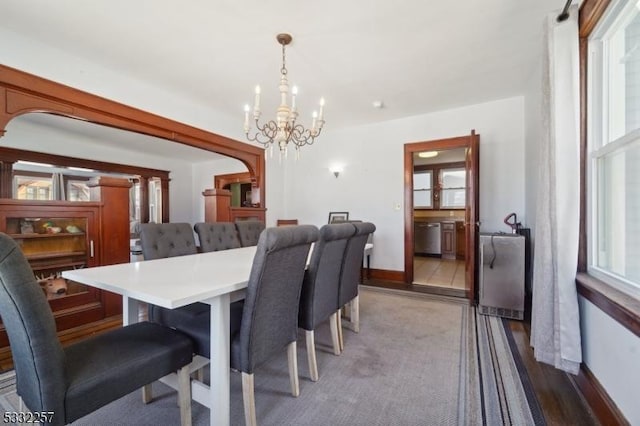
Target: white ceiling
x=416, y=56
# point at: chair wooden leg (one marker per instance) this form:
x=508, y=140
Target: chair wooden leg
x=340, y=340
x=355, y=314
x=333, y=325
x=184, y=395
x=292, y=357
x=248, y=400
x=311, y=355
x=200, y=375
x=147, y=395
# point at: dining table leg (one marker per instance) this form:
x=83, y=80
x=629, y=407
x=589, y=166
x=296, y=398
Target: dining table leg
x=220, y=374
x=130, y=312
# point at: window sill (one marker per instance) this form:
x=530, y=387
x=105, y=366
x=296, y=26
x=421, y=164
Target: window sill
x=620, y=306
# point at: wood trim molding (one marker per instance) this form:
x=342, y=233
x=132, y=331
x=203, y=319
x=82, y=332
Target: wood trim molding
x=467, y=141
x=618, y=305
x=387, y=275
x=13, y=155
x=220, y=181
x=590, y=13
x=603, y=407
x=22, y=93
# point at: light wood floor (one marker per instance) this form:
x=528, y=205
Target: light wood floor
x=438, y=272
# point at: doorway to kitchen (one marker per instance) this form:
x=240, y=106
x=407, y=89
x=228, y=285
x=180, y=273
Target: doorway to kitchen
x=441, y=215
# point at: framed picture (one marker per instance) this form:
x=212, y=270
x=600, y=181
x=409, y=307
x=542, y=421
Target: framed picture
x=336, y=217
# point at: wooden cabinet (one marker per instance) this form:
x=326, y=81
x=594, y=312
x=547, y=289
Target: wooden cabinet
x=60, y=235
x=217, y=208
x=461, y=240
x=57, y=236
x=448, y=240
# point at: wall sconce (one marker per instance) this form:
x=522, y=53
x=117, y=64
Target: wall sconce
x=336, y=170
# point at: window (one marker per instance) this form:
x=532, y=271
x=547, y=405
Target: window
x=453, y=188
x=77, y=190
x=422, y=189
x=32, y=187
x=614, y=147
x=155, y=200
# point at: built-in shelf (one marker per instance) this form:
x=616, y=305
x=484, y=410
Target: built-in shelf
x=34, y=235
x=54, y=255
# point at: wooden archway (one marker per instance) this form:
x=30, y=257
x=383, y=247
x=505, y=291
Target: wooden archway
x=22, y=93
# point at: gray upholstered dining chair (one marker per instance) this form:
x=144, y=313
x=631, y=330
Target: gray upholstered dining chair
x=270, y=315
x=74, y=381
x=320, y=288
x=162, y=240
x=351, y=275
x=214, y=236
x=249, y=231
x=267, y=321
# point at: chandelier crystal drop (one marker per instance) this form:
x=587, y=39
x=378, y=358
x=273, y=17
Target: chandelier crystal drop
x=284, y=129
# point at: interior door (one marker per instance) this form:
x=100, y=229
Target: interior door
x=472, y=166
x=472, y=224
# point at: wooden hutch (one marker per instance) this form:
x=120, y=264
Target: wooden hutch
x=61, y=235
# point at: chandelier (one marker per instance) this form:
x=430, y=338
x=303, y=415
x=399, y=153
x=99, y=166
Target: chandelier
x=284, y=129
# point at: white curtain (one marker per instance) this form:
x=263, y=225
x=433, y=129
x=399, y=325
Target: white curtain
x=555, y=320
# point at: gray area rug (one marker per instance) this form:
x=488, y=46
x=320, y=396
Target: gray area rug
x=418, y=360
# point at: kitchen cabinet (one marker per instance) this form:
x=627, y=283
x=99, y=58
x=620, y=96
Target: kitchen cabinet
x=461, y=241
x=448, y=240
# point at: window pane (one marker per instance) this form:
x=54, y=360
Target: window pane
x=453, y=178
x=32, y=188
x=422, y=198
x=77, y=190
x=623, y=67
x=452, y=198
x=422, y=180
x=422, y=185
x=618, y=213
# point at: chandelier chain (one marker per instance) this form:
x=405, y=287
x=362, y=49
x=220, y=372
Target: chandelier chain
x=283, y=70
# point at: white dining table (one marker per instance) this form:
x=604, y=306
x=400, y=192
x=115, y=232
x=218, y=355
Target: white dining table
x=215, y=278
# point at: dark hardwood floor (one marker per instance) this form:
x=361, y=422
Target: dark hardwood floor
x=561, y=402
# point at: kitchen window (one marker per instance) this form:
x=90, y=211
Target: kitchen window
x=614, y=148
x=423, y=189
x=440, y=186
x=452, y=188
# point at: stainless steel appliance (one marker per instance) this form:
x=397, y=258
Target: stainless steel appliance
x=427, y=238
x=502, y=275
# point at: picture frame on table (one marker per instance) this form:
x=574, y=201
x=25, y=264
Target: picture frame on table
x=337, y=217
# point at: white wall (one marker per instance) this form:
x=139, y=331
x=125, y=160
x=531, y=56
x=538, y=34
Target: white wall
x=372, y=184
x=612, y=352
x=186, y=203
x=47, y=62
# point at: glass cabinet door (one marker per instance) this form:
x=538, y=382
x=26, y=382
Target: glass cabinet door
x=52, y=245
